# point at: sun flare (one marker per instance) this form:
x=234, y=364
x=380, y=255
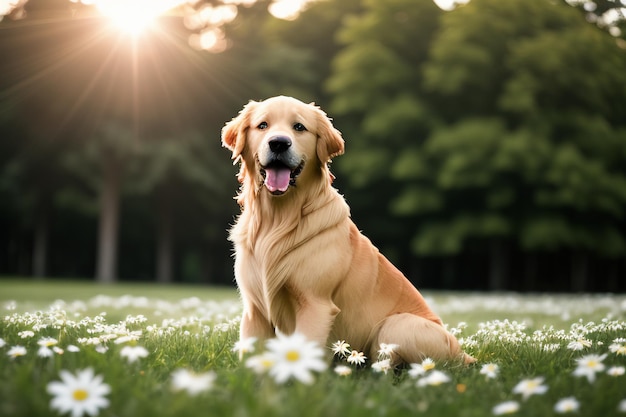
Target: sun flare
x=135, y=16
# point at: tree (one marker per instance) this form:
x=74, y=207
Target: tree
x=376, y=90
x=178, y=173
x=498, y=140
x=559, y=80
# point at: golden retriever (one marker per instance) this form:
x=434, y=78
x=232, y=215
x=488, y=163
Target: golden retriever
x=301, y=264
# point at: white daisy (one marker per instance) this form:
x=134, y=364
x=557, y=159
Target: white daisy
x=341, y=348
x=343, y=370
x=428, y=364
x=507, y=407
x=296, y=357
x=260, y=363
x=433, y=378
x=567, y=405
x=386, y=350
x=245, y=345
x=356, y=358
x=616, y=371
x=191, y=382
x=45, y=352
x=528, y=387
x=2, y=342
x=47, y=342
x=133, y=353
x=382, y=366
x=589, y=365
x=79, y=394
x=16, y=351
x=579, y=344
x=619, y=348
x=72, y=348
x=416, y=370
x=490, y=370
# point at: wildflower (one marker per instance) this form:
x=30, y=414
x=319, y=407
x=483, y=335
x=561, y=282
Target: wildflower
x=621, y=407
x=26, y=334
x=567, y=405
x=72, y=348
x=434, y=378
x=356, y=358
x=245, y=345
x=428, y=364
x=47, y=342
x=490, y=370
x=386, y=349
x=193, y=383
x=579, y=344
x=260, y=363
x=616, y=371
x=16, y=351
x=296, y=357
x=382, y=366
x=79, y=394
x=618, y=347
x=341, y=348
x=133, y=353
x=507, y=407
x=589, y=365
x=2, y=342
x=528, y=387
x=343, y=370
x=45, y=352
x=102, y=349
x=416, y=370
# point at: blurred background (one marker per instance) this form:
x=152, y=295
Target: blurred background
x=485, y=141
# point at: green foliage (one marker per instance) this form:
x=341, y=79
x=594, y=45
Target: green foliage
x=508, y=126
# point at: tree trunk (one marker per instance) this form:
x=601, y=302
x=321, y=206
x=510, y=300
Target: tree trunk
x=106, y=263
x=498, y=265
x=40, y=244
x=530, y=272
x=580, y=264
x=165, y=238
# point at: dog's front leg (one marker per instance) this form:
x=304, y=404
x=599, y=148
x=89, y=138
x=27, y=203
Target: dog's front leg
x=315, y=317
x=254, y=324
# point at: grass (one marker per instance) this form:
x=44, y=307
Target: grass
x=195, y=328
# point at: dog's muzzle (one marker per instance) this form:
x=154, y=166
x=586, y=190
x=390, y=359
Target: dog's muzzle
x=280, y=167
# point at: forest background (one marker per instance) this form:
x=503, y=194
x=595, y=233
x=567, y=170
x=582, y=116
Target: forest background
x=485, y=145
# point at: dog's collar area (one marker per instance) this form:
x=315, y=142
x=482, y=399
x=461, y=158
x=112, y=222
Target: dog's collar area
x=278, y=177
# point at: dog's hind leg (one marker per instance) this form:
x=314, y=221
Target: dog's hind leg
x=418, y=338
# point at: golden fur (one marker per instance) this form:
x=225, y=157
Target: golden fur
x=301, y=264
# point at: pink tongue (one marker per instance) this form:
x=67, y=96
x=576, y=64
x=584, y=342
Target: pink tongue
x=277, y=179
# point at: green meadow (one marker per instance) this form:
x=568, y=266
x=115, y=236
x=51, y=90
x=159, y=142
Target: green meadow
x=168, y=351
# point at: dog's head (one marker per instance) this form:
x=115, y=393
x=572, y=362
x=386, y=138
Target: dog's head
x=281, y=142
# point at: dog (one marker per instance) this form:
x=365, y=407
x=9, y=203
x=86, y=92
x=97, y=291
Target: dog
x=301, y=264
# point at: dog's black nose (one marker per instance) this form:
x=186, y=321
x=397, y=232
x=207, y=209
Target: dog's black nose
x=279, y=144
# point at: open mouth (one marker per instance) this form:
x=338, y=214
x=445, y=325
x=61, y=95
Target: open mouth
x=278, y=177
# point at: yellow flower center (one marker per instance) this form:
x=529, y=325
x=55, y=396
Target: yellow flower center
x=592, y=364
x=80, y=395
x=292, y=356
x=428, y=366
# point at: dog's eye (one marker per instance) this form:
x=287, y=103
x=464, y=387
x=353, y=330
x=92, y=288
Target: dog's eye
x=299, y=127
x=262, y=125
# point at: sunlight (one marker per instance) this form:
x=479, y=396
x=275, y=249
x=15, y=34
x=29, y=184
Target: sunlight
x=287, y=9
x=449, y=4
x=135, y=16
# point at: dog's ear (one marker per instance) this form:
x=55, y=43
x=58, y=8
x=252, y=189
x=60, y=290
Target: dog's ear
x=234, y=132
x=329, y=140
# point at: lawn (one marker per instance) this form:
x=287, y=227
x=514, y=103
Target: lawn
x=149, y=350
